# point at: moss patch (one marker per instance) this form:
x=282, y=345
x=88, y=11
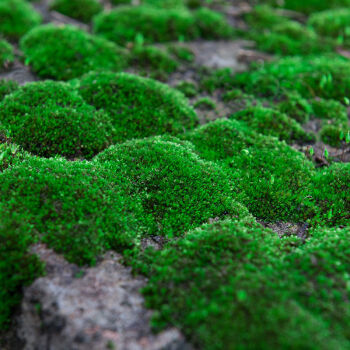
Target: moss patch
x=138, y=107
x=6, y=87
x=66, y=52
x=49, y=118
x=7, y=55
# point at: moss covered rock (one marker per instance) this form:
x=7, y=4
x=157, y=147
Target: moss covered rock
x=66, y=52
x=17, y=18
x=82, y=10
x=50, y=118
x=138, y=107
x=177, y=188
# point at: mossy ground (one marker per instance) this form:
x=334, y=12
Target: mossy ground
x=104, y=156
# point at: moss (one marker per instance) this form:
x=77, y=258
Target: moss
x=49, y=118
x=271, y=122
x=205, y=103
x=156, y=62
x=263, y=16
x=121, y=2
x=7, y=55
x=329, y=193
x=188, y=88
x=141, y=107
x=177, y=188
x=309, y=6
x=78, y=208
x=212, y=24
x=325, y=76
x=216, y=79
x=18, y=267
x=17, y=18
x=167, y=4
x=123, y=24
x=66, y=52
x=6, y=87
x=271, y=175
x=82, y=10
x=296, y=107
x=10, y=153
x=242, y=292
x=182, y=53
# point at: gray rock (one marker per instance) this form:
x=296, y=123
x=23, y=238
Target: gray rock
x=96, y=308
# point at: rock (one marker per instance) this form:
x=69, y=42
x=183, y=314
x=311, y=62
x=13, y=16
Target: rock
x=96, y=308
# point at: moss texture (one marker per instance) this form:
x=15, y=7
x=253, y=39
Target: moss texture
x=7, y=55
x=17, y=18
x=177, y=188
x=82, y=10
x=66, y=52
x=138, y=107
x=6, y=87
x=50, y=118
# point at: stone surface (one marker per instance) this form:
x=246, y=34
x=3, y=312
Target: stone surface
x=73, y=308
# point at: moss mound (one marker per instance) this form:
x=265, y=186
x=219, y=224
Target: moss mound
x=49, y=118
x=82, y=10
x=247, y=289
x=271, y=122
x=138, y=107
x=6, y=87
x=17, y=18
x=324, y=76
x=125, y=23
x=66, y=52
x=329, y=192
x=177, y=188
x=10, y=153
x=272, y=175
x=7, y=55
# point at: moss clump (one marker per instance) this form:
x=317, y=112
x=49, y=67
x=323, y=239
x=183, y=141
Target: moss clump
x=138, y=107
x=177, y=188
x=82, y=10
x=188, y=88
x=7, y=55
x=271, y=122
x=247, y=289
x=324, y=76
x=167, y=4
x=10, y=153
x=152, y=61
x=49, y=118
x=205, y=103
x=121, y=2
x=272, y=175
x=125, y=23
x=17, y=18
x=329, y=192
x=66, y=52
x=296, y=107
x=6, y=87
x=217, y=79
x=182, y=53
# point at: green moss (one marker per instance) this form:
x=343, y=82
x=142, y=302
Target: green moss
x=17, y=18
x=177, y=188
x=324, y=76
x=6, y=87
x=10, y=153
x=78, y=208
x=227, y=285
x=123, y=24
x=296, y=107
x=121, y=2
x=188, y=88
x=329, y=191
x=155, y=62
x=67, y=52
x=18, y=268
x=272, y=175
x=263, y=16
x=205, y=103
x=164, y=3
x=271, y=122
x=49, y=118
x=82, y=10
x=212, y=24
x=216, y=79
x=7, y=55
x=138, y=107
